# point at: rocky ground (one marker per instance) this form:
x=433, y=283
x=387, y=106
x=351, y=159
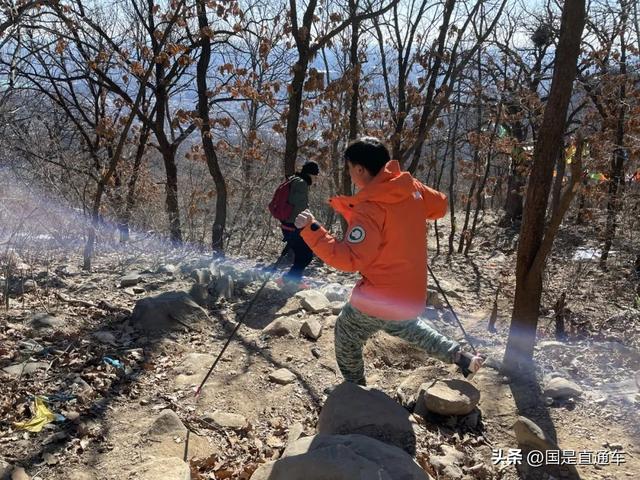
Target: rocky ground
x=122, y=371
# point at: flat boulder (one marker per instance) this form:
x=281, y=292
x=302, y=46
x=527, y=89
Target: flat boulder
x=130, y=279
x=341, y=457
x=229, y=420
x=165, y=311
x=559, y=387
x=352, y=409
x=282, y=376
x=449, y=397
x=313, y=300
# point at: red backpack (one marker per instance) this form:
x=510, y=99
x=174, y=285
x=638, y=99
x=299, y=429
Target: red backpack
x=279, y=206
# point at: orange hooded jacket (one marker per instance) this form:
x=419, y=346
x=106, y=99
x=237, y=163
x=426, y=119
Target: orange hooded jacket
x=386, y=242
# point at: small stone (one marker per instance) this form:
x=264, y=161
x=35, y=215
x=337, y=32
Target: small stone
x=130, y=279
x=548, y=401
x=313, y=300
x=315, y=351
x=616, y=446
x=559, y=387
x=312, y=329
x=105, y=337
x=295, y=432
x=229, y=420
x=50, y=459
x=68, y=271
x=531, y=435
x=45, y=320
x=450, y=397
x=54, y=437
x=72, y=416
x=167, y=422
x=274, y=442
x=282, y=376
x=167, y=269
x=138, y=290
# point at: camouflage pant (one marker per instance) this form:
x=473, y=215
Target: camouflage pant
x=354, y=328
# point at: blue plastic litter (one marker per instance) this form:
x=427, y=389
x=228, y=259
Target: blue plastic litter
x=113, y=362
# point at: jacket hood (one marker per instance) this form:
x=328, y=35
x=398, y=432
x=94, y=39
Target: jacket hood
x=391, y=185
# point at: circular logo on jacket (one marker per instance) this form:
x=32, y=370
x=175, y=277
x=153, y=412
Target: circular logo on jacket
x=356, y=235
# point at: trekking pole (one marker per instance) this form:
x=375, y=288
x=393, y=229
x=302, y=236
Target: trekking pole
x=452, y=311
x=244, y=316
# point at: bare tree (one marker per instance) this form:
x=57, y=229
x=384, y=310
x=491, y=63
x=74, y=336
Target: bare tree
x=535, y=244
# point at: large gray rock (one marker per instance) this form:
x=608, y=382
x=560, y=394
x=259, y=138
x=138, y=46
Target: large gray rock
x=449, y=397
x=352, y=409
x=341, y=457
x=313, y=300
x=559, y=387
x=167, y=310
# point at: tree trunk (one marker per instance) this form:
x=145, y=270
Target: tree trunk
x=616, y=177
x=217, y=230
x=533, y=246
x=131, y=186
x=293, y=114
x=561, y=166
x=171, y=191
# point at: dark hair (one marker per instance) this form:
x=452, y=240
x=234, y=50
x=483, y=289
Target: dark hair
x=310, y=168
x=368, y=152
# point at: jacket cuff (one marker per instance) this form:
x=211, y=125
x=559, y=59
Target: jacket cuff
x=312, y=237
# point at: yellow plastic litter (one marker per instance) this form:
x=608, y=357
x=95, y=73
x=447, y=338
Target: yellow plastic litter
x=41, y=417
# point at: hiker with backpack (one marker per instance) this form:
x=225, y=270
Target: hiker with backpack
x=291, y=198
x=386, y=241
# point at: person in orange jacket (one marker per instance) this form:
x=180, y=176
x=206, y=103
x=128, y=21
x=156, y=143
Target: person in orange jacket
x=386, y=241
